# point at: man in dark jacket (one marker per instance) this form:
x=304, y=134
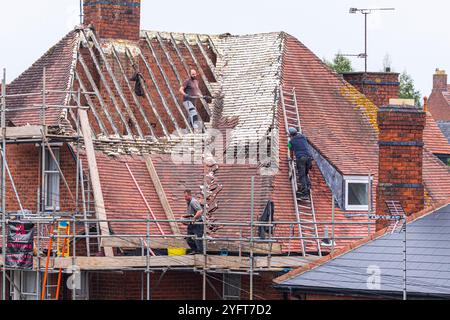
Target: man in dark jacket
x=298, y=146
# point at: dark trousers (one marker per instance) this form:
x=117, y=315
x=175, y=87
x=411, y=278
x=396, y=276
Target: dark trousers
x=303, y=166
x=194, y=244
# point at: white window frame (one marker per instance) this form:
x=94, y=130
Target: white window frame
x=83, y=292
x=227, y=283
x=47, y=173
x=356, y=179
x=22, y=279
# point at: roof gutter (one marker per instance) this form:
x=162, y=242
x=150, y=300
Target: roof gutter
x=361, y=293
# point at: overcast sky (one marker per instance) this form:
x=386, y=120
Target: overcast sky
x=415, y=35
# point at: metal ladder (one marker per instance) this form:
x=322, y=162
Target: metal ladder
x=88, y=212
x=304, y=209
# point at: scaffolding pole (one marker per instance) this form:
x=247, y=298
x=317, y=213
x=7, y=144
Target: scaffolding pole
x=205, y=257
x=43, y=191
x=3, y=124
x=252, y=212
x=147, y=256
x=75, y=217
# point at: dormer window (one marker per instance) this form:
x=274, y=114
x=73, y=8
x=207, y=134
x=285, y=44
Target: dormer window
x=357, y=193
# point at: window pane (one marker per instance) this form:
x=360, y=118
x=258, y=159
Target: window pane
x=231, y=287
x=51, y=187
x=29, y=285
x=50, y=164
x=357, y=194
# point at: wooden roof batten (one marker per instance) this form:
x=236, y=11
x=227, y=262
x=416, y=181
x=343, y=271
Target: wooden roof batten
x=106, y=85
x=117, y=86
x=167, y=82
x=97, y=93
x=133, y=94
x=160, y=94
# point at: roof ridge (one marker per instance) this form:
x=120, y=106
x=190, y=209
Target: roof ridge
x=214, y=34
x=352, y=246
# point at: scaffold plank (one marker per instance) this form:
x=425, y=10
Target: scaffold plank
x=161, y=194
x=213, y=246
x=27, y=131
x=194, y=261
x=95, y=178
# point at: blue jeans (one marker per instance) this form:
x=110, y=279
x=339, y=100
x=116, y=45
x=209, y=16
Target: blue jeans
x=192, y=114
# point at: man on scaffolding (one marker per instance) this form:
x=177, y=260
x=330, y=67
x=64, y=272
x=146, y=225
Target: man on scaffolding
x=195, y=228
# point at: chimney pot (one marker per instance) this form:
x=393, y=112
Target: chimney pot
x=440, y=80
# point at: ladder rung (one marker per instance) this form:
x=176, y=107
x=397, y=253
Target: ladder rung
x=306, y=213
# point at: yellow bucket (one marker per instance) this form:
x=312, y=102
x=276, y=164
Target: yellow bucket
x=176, y=251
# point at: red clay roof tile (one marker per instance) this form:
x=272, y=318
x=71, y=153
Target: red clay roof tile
x=59, y=63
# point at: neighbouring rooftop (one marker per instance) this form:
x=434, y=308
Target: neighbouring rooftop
x=381, y=257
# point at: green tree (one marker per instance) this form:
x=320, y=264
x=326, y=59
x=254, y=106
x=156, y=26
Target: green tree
x=340, y=63
x=407, y=89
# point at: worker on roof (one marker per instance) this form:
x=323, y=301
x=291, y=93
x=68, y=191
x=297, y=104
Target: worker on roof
x=191, y=92
x=196, y=226
x=298, y=147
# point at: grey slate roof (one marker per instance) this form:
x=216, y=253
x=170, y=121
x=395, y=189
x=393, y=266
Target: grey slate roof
x=428, y=262
x=251, y=68
x=445, y=128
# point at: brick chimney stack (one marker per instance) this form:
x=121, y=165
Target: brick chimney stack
x=114, y=19
x=378, y=87
x=400, y=159
x=440, y=80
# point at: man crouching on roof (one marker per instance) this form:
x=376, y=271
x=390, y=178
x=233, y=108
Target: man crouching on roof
x=194, y=211
x=191, y=92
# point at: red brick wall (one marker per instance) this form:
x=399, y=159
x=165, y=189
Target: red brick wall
x=173, y=285
x=262, y=287
x=379, y=87
x=114, y=19
x=438, y=104
x=400, y=159
x=24, y=164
